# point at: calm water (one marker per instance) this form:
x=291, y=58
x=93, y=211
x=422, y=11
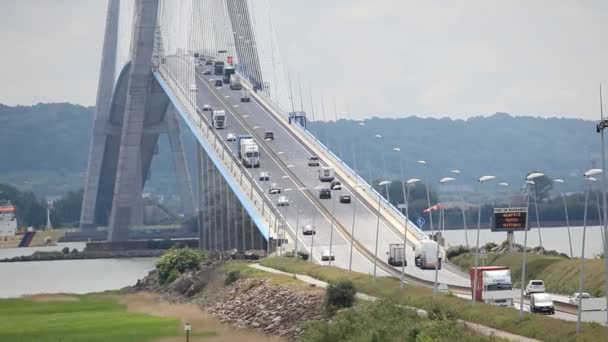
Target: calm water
x=554, y=238
x=68, y=276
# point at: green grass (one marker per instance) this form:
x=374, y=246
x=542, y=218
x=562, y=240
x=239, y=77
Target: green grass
x=560, y=274
x=249, y=272
x=534, y=326
x=90, y=318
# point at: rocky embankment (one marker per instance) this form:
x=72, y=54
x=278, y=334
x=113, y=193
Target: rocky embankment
x=57, y=255
x=252, y=303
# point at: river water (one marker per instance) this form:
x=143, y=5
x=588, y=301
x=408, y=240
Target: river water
x=67, y=276
x=554, y=238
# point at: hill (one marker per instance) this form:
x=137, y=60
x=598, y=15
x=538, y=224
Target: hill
x=45, y=146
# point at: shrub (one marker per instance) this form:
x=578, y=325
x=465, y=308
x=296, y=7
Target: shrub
x=179, y=261
x=231, y=277
x=488, y=246
x=456, y=251
x=65, y=250
x=74, y=251
x=340, y=295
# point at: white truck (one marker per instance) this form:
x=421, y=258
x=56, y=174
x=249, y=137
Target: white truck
x=396, y=254
x=425, y=255
x=218, y=118
x=326, y=174
x=235, y=82
x=250, y=154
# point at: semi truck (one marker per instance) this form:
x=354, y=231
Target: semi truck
x=493, y=285
x=240, y=138
x=396, y=254
x=229, y=70
x=235, y=82
x=218, y=118
x=250, y=155
x=425, y=255
x=218, y=67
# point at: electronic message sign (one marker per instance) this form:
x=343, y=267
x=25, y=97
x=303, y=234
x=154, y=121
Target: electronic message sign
x=509, y=219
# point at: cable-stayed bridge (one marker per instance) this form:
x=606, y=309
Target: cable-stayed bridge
x=154, y=73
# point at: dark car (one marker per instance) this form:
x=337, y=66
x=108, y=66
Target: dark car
x=268, y=135
x=313, y=161
x=325, y=194
x=335, y=185
x=207, y=72
x=218, y=83
x=208, y=62
x=344, y=198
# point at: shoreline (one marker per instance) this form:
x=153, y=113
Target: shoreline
x=85, y=255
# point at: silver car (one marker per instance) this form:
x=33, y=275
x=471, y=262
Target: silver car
x=282, y=201
x=231, y=137
x=274, y=189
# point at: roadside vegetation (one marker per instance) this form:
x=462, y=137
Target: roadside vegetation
x=176, y=261
x=533, y=326
x=88, y=318
x=559, y=273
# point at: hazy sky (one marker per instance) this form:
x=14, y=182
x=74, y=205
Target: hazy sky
x=377, y=58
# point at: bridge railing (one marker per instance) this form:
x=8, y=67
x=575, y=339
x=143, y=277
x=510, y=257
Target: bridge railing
x=363, y=185
x=251, y=195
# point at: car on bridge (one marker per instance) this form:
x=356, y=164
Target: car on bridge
x=335, y=185
x=264, y=176
x=345, y=198
x=282, y=201
x=313, y=161
x=325, y=194
x=245, y=96
x=218, y=83
x=268, y=135
x=535, y=286
x=309, y=230
x=207, y=72
x=575, y=297
x=327, y=255
x=541, y=303
x=231, y=137
x=206, y=108
x=209, y=62
x=274, y=189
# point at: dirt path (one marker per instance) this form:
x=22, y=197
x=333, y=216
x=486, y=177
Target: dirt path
x=204, y=326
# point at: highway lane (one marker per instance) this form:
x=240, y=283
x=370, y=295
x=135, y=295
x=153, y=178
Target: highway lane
x=207, y=94
x=293, y=153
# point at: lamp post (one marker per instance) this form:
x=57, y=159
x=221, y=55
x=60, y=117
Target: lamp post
x=298, y=224
x=386, y=183
x=352, y=231
x=561, y=181
x=282, y=235
x=506, y=185
x=187, y=328
x=481, y=180
x=464, y=216
x=411, y=181
x=442, y=181
x=403, y=186
x=428, y=196
x=599, y=213
x=314, y=231
x=529, y=182
x=540, y=239
x=588, y=175
x=378, y=136
x=600, y=128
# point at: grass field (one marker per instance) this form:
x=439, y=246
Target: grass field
x=78, y=318
x=534, y=326
x=560, y=274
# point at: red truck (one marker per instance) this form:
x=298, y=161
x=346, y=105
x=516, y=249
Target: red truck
x=493, y=285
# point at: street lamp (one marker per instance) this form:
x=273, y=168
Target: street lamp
x=529, y=182
x=428, y=197
x=352, y=230
x=599, y=213
x=403, y=186
x=298, y=224
x=187, y=329
x=600, y=128
x=481, y=180
x=506, y=185
x=588, y=176
x=464, y=216
x=411, y=181
x=561, y=181
x=378, y=136
x=386, y=183
x=312, y=237
x=442, y=181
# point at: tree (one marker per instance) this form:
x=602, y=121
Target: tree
x=177, y=261
x=30, y=210
x=66, y=211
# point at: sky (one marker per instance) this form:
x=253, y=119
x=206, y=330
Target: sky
x=386, y=58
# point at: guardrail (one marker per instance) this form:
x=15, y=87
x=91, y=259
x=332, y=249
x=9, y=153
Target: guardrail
x=262, y=211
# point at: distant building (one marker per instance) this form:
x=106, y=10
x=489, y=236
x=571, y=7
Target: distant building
x=8, y=220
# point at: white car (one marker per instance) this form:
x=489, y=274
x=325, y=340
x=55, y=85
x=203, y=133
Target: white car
x=274, y=189
x=206, y=108
x=309, y=230
x=326, y=256
x=535, y=286
x=264, y=176
x=541, y=303
x=231, y=137
x=574, y=298
x=282, y=201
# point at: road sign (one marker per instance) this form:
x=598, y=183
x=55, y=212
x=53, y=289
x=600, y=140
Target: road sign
x=421, y=221
x=509, y=219
x=401, y=205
